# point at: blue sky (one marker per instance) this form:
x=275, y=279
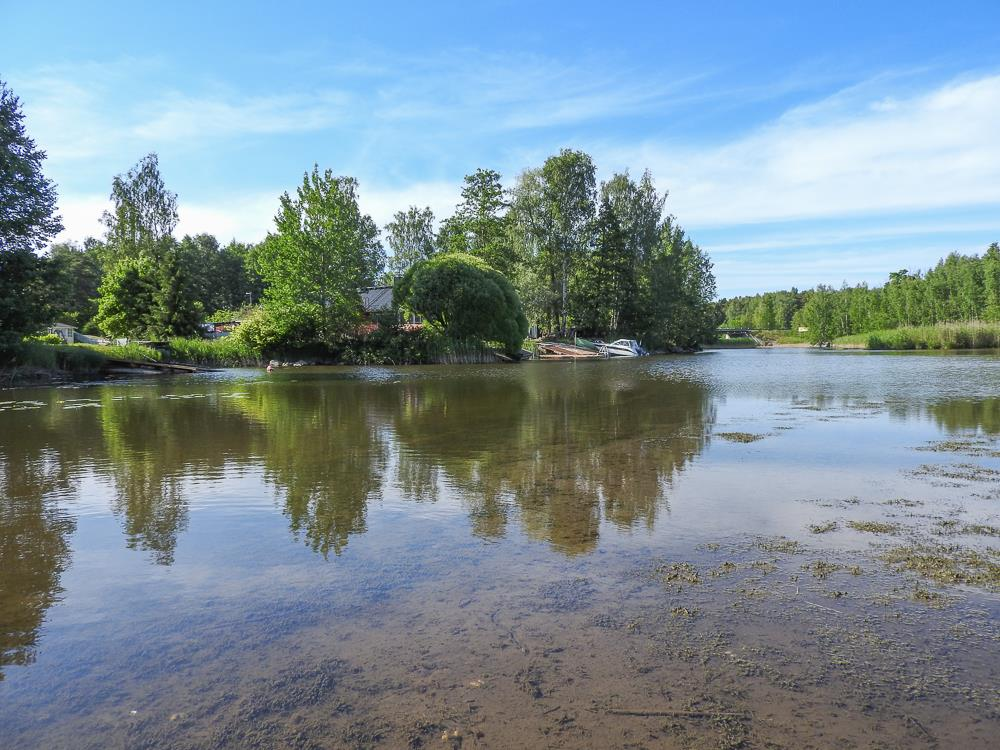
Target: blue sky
x=800, y=142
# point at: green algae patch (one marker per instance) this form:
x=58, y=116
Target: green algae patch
x=821, y=569
x=874, y=527
x=823, y=528
x=741, y=437
x=679, y=573
x=779, y=544
x=947, y=564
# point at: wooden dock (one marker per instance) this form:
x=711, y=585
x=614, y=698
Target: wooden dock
x=551, y=351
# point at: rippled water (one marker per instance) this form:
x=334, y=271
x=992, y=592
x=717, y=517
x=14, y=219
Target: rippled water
x=605, y=554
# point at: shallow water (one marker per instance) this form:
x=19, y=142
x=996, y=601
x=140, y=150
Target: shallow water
x=645, y=553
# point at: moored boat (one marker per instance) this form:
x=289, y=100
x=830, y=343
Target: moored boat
x=623, y=348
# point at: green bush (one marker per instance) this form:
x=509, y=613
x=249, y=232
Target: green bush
x=272, y=329
x=466, y=298
x=45, y=338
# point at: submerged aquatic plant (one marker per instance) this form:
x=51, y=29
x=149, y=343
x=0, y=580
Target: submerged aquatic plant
x=741, y=437
x=874, y=527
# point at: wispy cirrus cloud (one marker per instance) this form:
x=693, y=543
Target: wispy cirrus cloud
x=843, y=156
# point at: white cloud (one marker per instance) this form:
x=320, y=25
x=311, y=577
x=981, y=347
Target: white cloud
x=248, y=217
x=382, y=202
x=851, y=235
x=176, y=117
x=931, y=151
x=81, y=217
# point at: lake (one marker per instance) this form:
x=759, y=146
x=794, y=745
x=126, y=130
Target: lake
x=744, y=548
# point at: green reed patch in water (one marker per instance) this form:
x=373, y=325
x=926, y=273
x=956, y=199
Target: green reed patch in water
x=679, y=573
x=958, y=472
x=931, y=598
x=821, y=569
x=741, y=437
x=947, y=564
x=951, y=527
x=823, y=528
x=874, y=527
x=779, y=544
x=904, y=502
x=984, y=448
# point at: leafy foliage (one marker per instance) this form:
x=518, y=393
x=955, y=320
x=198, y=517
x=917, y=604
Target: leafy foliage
x=72, y=277
x=480, y=224
x=466, y=298
x=126, y=297
x=323, y=251
x=410, y=236
x=27, y=221
x=143, y=213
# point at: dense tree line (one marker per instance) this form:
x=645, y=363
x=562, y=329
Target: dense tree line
x=572, y=254
x=602, y=260
x=958, y=288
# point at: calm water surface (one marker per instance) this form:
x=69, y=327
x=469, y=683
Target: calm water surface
x=645, y=553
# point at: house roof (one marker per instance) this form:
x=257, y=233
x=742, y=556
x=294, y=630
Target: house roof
x=376, y=298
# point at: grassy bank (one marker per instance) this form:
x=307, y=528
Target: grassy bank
x=732, y=343
x=41, y=361
x=33, y=362
x=971, y=335
x=784, y=336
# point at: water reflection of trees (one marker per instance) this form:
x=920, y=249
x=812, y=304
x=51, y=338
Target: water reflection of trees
x=153, y=446
x=324, y=453
x=967, y=414
x=34, y=545
x=562, y=450
x=562, y=455
x=566, y=452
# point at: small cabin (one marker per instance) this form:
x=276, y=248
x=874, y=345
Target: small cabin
x=379, y=298
x=64, y=331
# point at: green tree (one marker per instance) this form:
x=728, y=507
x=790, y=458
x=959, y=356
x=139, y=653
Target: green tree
x=479, y=226
x=991, y=282
x=819, y=314
x=321, y=254
x=410, y=236
x=73, y=278
x=678, y=292
x=28, y=220
x=143, y=212
x=174, y=310
x=607, y=286
x=554, y=208
x=466, y=298
x=126, y=298
x=626, y=237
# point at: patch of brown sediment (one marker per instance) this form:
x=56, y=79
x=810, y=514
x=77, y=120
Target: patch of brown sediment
x=732, y=646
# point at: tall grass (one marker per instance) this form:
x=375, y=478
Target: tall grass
x=30, y=361
x=969, y=335
x=135, y=352
x=229, y=351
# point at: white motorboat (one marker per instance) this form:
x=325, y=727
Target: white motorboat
x=622, y=348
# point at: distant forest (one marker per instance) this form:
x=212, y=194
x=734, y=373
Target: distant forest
x=958, y=288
